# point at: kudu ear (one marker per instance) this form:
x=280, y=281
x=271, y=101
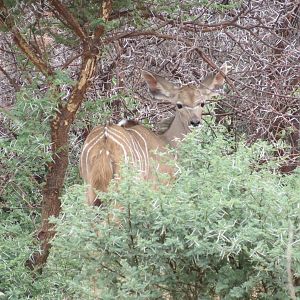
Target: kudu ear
x=160, y=88
x=212, y=82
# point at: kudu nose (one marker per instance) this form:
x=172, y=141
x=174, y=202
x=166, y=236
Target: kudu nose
x=195, y=123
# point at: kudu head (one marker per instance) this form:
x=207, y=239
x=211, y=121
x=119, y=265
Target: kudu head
x=189, y=100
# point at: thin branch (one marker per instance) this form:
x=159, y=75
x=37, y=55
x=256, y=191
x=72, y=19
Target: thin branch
x=70, y=19
x=165, y=37
x=11, y=80
x=7, y=20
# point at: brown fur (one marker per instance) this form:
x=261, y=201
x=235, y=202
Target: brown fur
x=102, y=157
x=107, y=147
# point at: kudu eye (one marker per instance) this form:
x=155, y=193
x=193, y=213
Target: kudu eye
x=202, y=104
x=179, y=105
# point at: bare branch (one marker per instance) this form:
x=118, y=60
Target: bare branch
x=7, y=20
x=69, y=19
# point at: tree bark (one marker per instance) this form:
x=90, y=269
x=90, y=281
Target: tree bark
x=60, y=128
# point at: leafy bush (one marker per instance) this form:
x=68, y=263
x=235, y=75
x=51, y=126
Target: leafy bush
x=222, y=229
x=16, y=246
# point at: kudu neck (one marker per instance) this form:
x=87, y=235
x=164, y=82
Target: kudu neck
x=176, y=132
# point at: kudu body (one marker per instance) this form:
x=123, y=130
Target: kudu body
x=106, y=147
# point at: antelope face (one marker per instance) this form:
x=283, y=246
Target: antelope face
x=189, y=105
x=189, y=100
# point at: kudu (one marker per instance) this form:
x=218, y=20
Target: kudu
x=106, y=147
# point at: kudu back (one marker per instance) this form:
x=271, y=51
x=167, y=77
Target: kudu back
x=108, y=146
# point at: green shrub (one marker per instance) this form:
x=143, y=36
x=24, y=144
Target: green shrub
x=221, y=229
x=23, y=158
x=16, y=246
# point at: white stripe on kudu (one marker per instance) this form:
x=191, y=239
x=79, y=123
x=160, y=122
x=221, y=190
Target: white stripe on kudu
x=123, y=142
x=87, y=148
x=107, y=147
x=144, y=150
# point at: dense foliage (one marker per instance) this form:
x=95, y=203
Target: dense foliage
x=227, y=227
x=223, y=228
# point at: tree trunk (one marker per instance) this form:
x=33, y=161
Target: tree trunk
x=60, y=128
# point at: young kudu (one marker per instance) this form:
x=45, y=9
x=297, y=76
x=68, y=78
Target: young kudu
x=106, y=147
